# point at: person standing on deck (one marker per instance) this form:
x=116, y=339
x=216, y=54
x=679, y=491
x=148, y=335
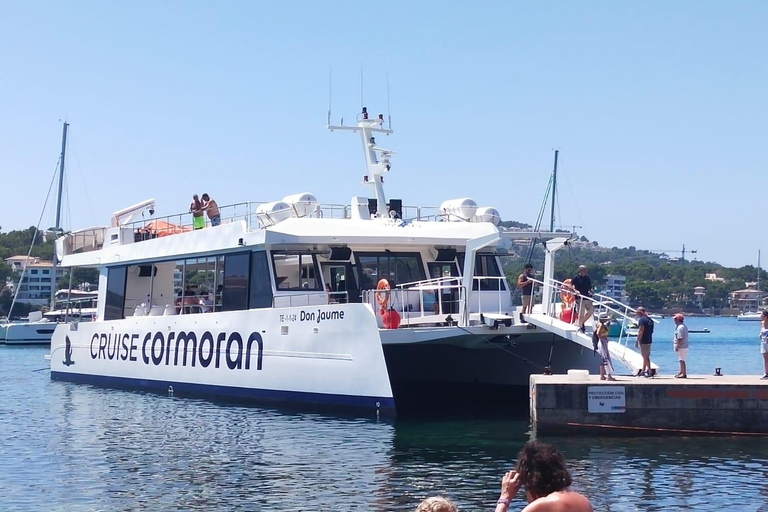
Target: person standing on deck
x=198, y=217
x=681, y=345
x=644, y=340
x=764, y=341
x=525, y=283
x=583, y=285
x=212, y=209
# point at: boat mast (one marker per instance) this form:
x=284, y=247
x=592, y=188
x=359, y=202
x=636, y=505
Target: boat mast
x=377, y=159
x=554, y=191
x=57, y=227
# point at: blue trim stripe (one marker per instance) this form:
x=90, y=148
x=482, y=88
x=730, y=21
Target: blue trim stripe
x=181, y=389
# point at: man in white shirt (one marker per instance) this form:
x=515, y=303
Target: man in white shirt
x=681, y=344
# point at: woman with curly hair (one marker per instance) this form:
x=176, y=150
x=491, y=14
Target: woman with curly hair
x=541, y=470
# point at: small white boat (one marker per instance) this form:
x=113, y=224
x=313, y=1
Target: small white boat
x=34, y=330
x=749, y=317
x=38, y=327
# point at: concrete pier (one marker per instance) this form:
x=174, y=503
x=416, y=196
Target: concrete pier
x=634, y=405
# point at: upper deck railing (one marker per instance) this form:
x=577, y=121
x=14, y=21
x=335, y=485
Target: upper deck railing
x=92, y=239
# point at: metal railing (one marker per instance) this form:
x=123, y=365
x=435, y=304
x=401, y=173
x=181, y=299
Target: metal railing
x=600, y=303
x=153, y=227
x=289, y=300
x=421, y=300
x=438, y=298
x=248, y=211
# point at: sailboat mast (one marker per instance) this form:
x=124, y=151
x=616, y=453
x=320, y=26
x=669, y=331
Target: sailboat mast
x=554, y=191
x=57, y=227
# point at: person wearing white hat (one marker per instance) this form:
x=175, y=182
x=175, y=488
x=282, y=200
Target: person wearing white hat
x=602, y=329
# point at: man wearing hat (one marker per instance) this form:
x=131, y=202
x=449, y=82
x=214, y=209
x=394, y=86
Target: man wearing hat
x=681, y=344
x=583, y=285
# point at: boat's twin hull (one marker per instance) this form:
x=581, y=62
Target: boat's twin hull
x=329, y=355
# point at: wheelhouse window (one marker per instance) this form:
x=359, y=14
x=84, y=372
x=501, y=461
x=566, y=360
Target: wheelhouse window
x=296, y=272
x=486, y=265
x=261, y=284
x=397, y=268
x=115, y=302
x=237, y=269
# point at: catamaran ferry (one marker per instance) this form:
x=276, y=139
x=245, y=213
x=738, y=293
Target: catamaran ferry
x=370, y=305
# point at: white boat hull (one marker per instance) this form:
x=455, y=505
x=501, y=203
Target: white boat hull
x=325, y=355
x=749, y=317
x=31, y=333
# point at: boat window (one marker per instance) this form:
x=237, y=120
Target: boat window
x=195, y=282
x=236, y=277
x=261, y=283
x=397, y=268
x=115, y=302
x=296, y=271
x=485, y=265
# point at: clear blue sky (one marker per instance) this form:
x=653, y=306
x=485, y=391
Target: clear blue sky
x=658, y=109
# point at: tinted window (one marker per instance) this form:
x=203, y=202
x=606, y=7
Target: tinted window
x=115, y=303
x=485, y=265
x=261, y=286
x=397, y=268
x=296, y=271
x=236, y=276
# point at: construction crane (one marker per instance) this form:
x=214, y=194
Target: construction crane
x=681, y=252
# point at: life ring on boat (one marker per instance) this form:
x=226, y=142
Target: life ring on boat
x=568, y=293
x=382, y=294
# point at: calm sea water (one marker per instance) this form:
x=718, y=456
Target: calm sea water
x=67, y=447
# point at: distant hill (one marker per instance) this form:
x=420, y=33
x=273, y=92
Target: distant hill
x=653, y=280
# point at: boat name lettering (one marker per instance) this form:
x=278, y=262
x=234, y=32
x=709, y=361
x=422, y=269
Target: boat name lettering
x=182, y=348
x=320, y=316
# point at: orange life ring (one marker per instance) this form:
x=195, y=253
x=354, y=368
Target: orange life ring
x=382, y=293
x=568, y=293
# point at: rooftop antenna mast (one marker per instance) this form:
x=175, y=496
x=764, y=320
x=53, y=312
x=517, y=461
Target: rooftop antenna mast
x=389, y=116
x=377, y=159
x=554, y=191
x=330, y=89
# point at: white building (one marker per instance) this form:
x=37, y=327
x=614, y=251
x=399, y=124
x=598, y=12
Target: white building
x=616, y=288
x=746, y=300
x=38, y=279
